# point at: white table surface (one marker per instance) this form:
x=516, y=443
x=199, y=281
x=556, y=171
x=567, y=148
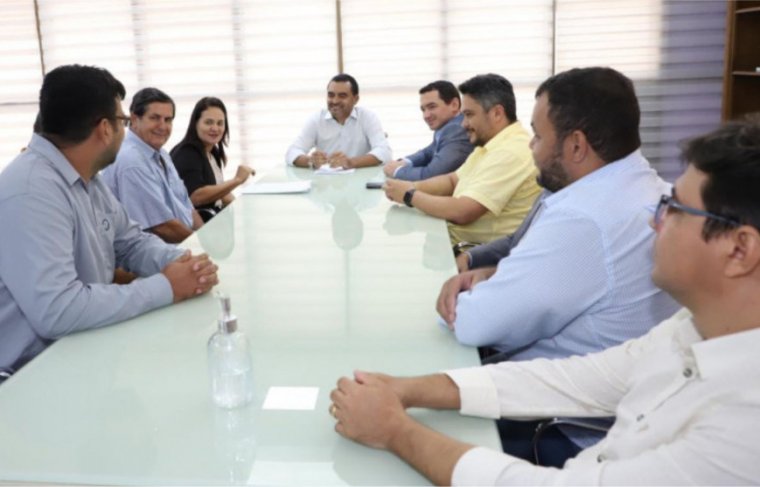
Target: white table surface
x=322, y=283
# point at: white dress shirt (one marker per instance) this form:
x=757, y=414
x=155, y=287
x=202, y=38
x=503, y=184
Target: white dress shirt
x=687, y=410
x=360, y=134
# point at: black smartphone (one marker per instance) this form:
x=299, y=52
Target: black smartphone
x=374, y=184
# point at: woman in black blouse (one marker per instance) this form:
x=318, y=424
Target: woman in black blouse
x=200, y=158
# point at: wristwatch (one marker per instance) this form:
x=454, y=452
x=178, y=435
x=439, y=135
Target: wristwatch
x=408, y=197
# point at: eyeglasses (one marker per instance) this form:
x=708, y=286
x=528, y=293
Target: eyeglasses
x=124, y=119
x=667, y=201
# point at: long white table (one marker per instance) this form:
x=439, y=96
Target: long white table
x=322, y=283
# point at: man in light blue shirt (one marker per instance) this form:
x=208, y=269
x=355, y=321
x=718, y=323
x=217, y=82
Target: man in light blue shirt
x=144, y=178
x=64, y=232
x=440, y=104
x=579, y=279
x=343, y=135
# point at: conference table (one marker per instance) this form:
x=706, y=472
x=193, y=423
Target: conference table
x=323, y=283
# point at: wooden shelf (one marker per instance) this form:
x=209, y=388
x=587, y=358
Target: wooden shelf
x=748, y=10
x=741, y=82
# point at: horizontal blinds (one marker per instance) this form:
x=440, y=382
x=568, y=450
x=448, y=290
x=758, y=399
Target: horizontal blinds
x=20, y=76
x=267, y=60
x=395, y=47
x=672, y=50
x=270, y=60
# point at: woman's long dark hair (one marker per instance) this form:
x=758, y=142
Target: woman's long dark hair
x=191, y=136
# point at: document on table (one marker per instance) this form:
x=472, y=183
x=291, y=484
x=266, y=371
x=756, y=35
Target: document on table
x=325, y=169
x=286, y=187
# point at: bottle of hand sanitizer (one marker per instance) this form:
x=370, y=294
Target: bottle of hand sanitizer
x=229, y=361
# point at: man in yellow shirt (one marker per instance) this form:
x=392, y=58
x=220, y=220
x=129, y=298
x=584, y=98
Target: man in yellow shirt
x=492, y=192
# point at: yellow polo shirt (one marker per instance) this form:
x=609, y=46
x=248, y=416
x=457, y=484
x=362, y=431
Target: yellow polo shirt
x=502, y=177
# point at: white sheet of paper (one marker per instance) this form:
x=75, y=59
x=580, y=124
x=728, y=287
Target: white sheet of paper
x=286, y=187
x=325, y=169
x=291, y=398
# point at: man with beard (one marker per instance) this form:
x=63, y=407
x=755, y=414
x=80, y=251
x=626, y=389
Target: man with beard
x=490, y=194
x=65, y=233
x=343, y=135
x=579, y=279
x=686, y=395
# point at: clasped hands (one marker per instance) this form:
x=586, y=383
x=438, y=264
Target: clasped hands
x=336, y=159
x=191, y=275
x=369, y=408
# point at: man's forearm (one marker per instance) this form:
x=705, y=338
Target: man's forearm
x=436, y=391
x=172, y=231
x=432, y=454
x=442, y=185
x=460, y=211
x=367, y=160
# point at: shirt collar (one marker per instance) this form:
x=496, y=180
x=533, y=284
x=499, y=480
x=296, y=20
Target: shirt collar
x=354, y=114
x=728, y=355
x=456, y=120
x=634, y=160
x=503, y=134
x=144, y=148
x=47, y=149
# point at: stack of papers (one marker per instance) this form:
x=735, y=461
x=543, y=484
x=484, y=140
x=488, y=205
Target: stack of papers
x=287, y=187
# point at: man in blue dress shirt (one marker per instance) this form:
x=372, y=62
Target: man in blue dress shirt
x=144, y=178
x=579, y=279
x=64, y=233
x=440, y=104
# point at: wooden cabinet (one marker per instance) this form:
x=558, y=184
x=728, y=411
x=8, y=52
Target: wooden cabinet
x=741, y=81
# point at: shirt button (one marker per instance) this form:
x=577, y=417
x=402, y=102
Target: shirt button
x=687, y=372
x=601, y=458
x=639, y=417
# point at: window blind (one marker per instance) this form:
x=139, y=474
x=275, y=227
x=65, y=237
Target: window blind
x=673, y=52
x=20, y=76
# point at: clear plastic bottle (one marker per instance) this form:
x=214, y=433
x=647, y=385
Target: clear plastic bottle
x=229, y=362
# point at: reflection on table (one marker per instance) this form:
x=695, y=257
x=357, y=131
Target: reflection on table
x=322, y=283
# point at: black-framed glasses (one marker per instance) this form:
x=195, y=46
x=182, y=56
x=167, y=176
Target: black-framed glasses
x=668, y=201
x=124, y=119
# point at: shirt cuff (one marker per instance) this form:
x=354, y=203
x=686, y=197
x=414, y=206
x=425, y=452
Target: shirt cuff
x=477, y=393
x=406, y=163
x=481, y=466
x=158, y=290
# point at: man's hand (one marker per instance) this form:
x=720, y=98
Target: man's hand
x=447, y=299
x=368, y=410
x=463, y=262
x=317, y=158
x=243, y=173
x=390, y=168
x=339, y=159
x=190, y=275
x=396, y=188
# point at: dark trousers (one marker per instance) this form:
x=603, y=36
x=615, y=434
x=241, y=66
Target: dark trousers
x=554, y=448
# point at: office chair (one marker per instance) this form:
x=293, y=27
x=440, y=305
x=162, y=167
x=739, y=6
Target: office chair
x=5, y=374
x=601, y=425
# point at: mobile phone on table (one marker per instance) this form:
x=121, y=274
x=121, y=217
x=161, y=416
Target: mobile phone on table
x=374, y=184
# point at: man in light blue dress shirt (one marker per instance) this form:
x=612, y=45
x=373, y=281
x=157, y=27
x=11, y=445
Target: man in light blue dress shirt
x=440, y=104
x=64, y=232
x=144, y=178
x=579, y=279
